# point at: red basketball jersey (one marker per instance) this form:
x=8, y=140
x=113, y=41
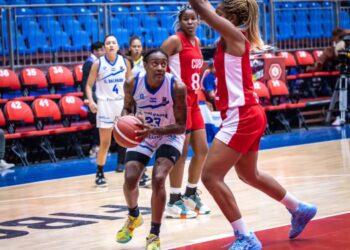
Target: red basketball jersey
x=186, y=65
x=234, y=79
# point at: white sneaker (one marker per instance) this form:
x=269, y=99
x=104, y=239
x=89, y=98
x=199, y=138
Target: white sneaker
x=93, y=152
x=195, y=203
x=178, y=210
x=337, y=121
x=4, y=165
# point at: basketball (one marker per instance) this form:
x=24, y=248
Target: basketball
x=124, y=131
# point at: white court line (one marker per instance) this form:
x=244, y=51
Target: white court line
x=221, y=236
x=116, y=189
x=63, y=195
x=188, y=159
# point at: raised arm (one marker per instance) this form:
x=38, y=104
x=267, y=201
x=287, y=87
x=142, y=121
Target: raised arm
x=233, y=37
x=89, y=85
x=129, y=101
x=129, y=73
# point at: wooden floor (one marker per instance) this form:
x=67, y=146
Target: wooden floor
x=317, y=173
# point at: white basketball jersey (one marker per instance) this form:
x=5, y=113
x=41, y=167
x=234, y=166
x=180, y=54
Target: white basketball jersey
x=111, y=78
x=156, y=105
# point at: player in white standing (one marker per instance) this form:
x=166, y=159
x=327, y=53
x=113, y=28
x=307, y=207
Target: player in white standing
x=109, y=74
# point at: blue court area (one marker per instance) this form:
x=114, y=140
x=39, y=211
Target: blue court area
x=70, y=168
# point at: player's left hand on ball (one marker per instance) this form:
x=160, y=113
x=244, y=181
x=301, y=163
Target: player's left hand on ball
x=144, y=131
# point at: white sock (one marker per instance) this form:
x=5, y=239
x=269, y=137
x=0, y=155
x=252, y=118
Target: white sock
x=175, y=190
x=290, y=201
x=191, y=185
x=239, y=225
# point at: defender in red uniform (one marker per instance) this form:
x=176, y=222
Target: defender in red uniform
x=185, y=62
x=243, y=120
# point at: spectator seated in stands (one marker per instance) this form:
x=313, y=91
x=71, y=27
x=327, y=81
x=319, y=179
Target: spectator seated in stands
x=329, y=55
x=208, y=83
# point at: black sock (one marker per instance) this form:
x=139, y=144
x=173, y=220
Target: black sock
x=100, y=168
x=155, y=228
x=190, y=191
x=174, y=198
x=134, y=212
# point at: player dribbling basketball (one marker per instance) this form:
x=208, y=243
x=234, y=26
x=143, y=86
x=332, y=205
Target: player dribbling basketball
x=162, y=101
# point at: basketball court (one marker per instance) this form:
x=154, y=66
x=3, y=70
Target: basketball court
x=57, y=206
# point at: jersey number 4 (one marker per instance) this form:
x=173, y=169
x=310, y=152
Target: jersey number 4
x=115, y=89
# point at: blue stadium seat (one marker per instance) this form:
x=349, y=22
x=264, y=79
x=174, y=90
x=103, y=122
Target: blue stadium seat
x=344, y=20
x=30, y=27
x=156, y=8
x=149, y=21
x=43, y=11
x=119, y=9
x=51, y=25
x=122, y=36
x=174, y=7
x=87, y=18
x=16, y=2
x=38, y=42
x=316, y=29
x=97, y=35
x=130, y=22
x=284, y=31
x=159, y=35
x=59, y=41
x=22, y=48
x=115, y=23
x=80, y=40
x=138, y=9
x=71, y=26
x=167, y=21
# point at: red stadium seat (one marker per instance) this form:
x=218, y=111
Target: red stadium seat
x=304, y=58
x=33, y=78
x=261, y=90
x=10, y=86
x=44, y=109
x=35, y=84
x=280, y=96
x=290, y=60
x=19, y=112
x=2, y=119
x=73, y=106
x=60, y=75
x=9, y=80
x=78, y=73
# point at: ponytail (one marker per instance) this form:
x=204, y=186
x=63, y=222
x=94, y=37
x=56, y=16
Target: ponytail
x=252, y=25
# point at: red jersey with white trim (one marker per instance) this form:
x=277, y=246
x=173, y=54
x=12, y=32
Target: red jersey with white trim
x=186, y=65
x=234, y=79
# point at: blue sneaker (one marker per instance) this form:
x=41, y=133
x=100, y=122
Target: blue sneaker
x=300, y=217
x=243, y=242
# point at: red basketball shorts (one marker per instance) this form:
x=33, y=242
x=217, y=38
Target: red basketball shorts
x=194, y=115
x=242, y=128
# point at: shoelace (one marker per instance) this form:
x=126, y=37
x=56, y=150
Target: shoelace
x=150, y=240
x=181, y=204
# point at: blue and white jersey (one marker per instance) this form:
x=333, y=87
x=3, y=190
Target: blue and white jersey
x=111, y=78
x=156, y=105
